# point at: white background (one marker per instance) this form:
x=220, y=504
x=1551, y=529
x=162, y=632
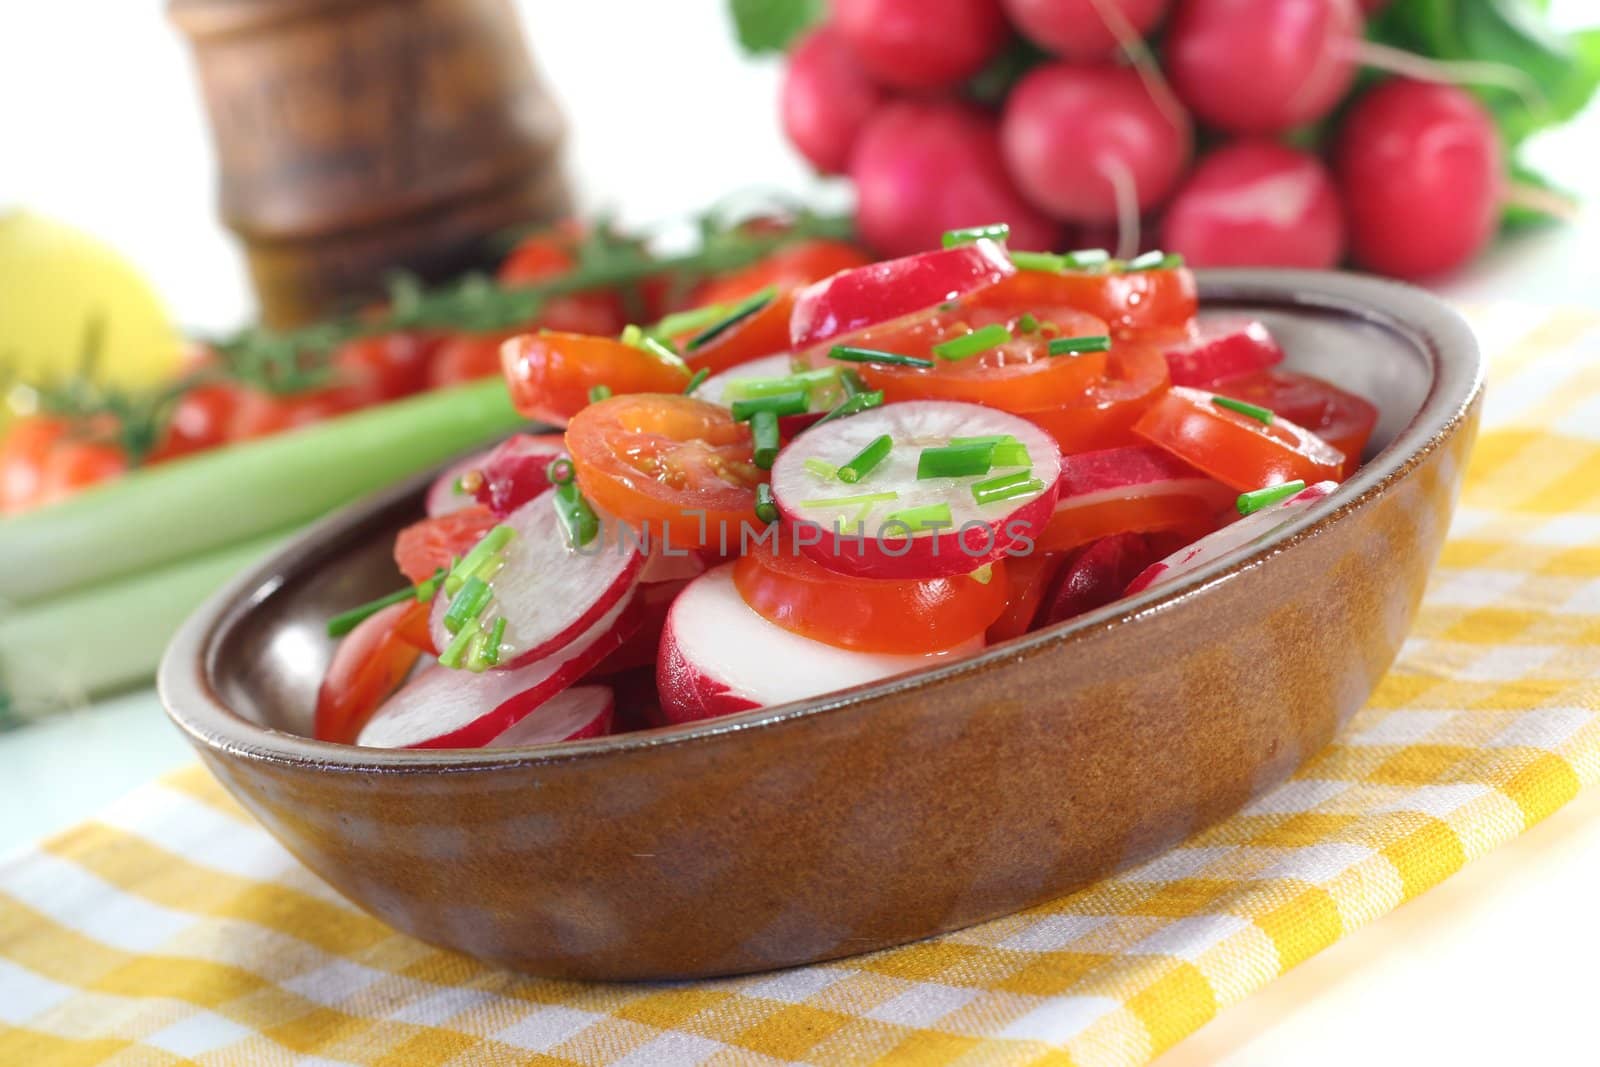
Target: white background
x=100, y=126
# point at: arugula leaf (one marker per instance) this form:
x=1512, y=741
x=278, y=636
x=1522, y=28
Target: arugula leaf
x=764, y=26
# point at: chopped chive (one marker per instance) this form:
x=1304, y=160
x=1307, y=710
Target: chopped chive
x=426, y=589
x=735, y=315
x=955, y=461
x=1005, y=487
x=750, y=388
x=980, y=340
x=469, y=603
x=457, y=648
x=850, y=501
x=631, y=335
x=491, y=647
x=1258, y=499
x=983, y=575
x=850, y=354
x=852, y=383
x=560, y=472
x=346, y=621
x=477, y=653
x=766, y=507
x=989, y=439
x=826, y=471
x=928, y=516
x=997, y=231
x=695, y=319
x=1154, y=260
x=794, y=403
x=1087, y=258
x=854, y=405
x=661, y=351
x=1254, y=411
x=864, y=462
x=1027, y=323
x=697, y=381
x=764, y=429
x=598, y=393
x=578, y=519
x=1010, y=454
x=492, y=544
x=1074, y=346
x=1044, y=262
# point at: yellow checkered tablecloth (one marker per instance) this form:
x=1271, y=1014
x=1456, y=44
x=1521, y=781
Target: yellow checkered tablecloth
x=172, y=930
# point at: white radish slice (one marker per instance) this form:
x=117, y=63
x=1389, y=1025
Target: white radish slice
x=1220, y=348
x=719, y=657
x=548, y=593
x=570, y=715
x=442, y=498
x=1246, y=531
x=1097, y=489
x=824, y=397
x=444, y=708
x=977, y=534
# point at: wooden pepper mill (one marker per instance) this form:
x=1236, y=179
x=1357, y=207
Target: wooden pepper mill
x=358, y=137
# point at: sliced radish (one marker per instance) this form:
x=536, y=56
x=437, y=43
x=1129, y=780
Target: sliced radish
x=1249, y=529
x=445, y=495
x=570, y=715
x=655, y=600
x=1220, y=348
x=548, y=593
x=444, y=708
x=823, y=396
x=1134, y=489
x=1099, y=575
x=679, y=565
x=516, y=470
x=719, y=657
x=868, y=539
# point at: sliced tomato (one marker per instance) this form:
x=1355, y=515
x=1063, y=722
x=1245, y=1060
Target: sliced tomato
x=1342, y=419
x=1136, y=305
x=786, y=269
x=764, y=333
x=550, y=374
x=202, y=419
x=548, y=255
x=388, y=365
x=467, y=357
x=866, y=614
x=1028, y=578
x=1236, y=449
x=669, y=464
x=1135, y=378
x=369, y=664
x=1138, y=489
x=424, y=547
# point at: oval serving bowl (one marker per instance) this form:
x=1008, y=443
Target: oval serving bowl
x=883, y=814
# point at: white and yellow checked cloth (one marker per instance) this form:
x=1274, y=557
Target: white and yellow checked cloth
x=172, y=930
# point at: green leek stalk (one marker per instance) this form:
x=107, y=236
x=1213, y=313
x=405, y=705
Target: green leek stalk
x=165, y=514
x=64, y=652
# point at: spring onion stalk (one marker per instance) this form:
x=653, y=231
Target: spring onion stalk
x=851, y=501
x=766, y=507
x=737, y=314
x=955, y=461
x=850, y=354
x=1076, y=346
x=697, y=381
x=1154, y=260
x=1006, y=487
x=866, y=461
x=854, y=405
x=797, y=402
x=1252, y=411
x=179, y=511
x=1259, y=499
x=969, y=345
x=928, y=516
x=998, y=231
x=764, y=430
x=578, y=519
x=57, y=654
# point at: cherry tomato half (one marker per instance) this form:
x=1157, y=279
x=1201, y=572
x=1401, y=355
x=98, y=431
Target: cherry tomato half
x=369, y=664
x=652, y=459
x=869, y=615
x=1146, y=304
x=1342, y=419
x=1237, y=450
x=550, y=374
x=423, y=547
x=764, y=333
x=1136, y=377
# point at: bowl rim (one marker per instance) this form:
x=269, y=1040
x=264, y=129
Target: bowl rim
x=185, y=677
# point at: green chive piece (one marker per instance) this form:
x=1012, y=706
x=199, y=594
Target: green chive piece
x=660, y=350
x=855, y=405
x=794, y=403
x=826, y=471
x=578, y=519
x=1006, y=486
x=477, y=656
x=492, y=544
x=980, y=340
x=997, y=231
x=764, y=429
x=990, y=439
x=598, y=393
x=697, y=381
x=497, y=637
x=1043, y=262
x=469, y=603
x=631, y=335
x=954, y=461
x=346, y=621
x=983, y=575
x=735, y=315
x=751, y=388
x=1254, y=411
x=426, y=589
x=928, y=516
x=1076, y=346
x=458, y=646
x=1259, y=499
x=850, y=501
x=766, y=507
x=560, y=472
x=864, y=462
x=680, y=322
x=1154, y=260
x=1087, y=259
x=1010, y=454
x=871, y=355
x=852, y=383
x=1027, y=323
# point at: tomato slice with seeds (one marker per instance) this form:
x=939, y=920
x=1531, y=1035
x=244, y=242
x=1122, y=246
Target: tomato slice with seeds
x=661, y=462
x=869, y=614
x=369, y=664
x=764, y=333
x=1136, y=377
x=550, y=374
x=1342, y=419
x=1236, y=449
x=424, y=547
x=1136, y=305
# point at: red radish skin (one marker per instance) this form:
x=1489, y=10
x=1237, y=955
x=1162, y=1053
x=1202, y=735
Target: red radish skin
x=826, y=99
x=517, y=470
x=571, y=715
x=1069, y=134
x=855, y=299
x=549, y=594
x=718, y=657
x=1246, y=531
x=923, y=167
x=1221, y=348
x=442, y=498
x=1257, y=204
x=1422, y=170
x=979, y=533
x=1135, y=489
x=444, y=708
x=921, y=44
x=1083, y=29
x=1098, y=576
x=1262, y=66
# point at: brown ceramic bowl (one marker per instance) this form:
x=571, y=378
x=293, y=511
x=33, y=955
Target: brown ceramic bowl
x=886, y=813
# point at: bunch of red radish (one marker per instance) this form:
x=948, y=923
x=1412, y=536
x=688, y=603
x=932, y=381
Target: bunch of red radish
x=1095, y=144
